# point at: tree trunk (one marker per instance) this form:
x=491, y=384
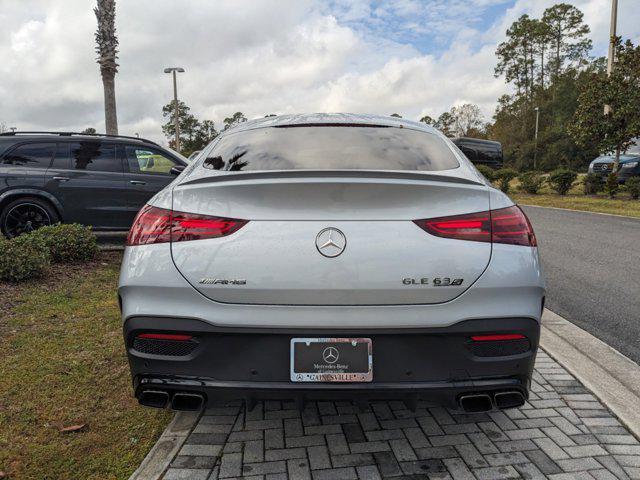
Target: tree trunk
x=110, y=116
x=542, y=67
x=532, y=67
x=558, y=42
x=616, y=162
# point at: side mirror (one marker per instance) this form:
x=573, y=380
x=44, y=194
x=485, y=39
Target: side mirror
x=177, y=170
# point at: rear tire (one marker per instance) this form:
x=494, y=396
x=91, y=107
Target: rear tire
x=25, y=215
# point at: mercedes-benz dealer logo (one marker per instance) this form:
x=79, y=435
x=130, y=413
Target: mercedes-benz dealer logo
x=331, y=242
x=330, y=355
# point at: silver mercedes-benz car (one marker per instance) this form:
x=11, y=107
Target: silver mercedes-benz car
x=331, y=256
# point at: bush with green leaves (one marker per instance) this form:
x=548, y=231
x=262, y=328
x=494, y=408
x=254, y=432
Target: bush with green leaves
x=23, y=257
x=633, y=187
x=592, y=184
x=561, y=180
x=504, y=177
x=531, y=182
x=488, y=172
x=611, y=186
x=68, y=242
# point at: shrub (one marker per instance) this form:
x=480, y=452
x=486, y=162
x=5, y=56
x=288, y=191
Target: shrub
x=561, y=180
x=68, y=242
x=611, y=186
x=592, y=184
x=488, y=172
x=633, y=187
x=23, y=257
x=531, y=182
x=504, y=177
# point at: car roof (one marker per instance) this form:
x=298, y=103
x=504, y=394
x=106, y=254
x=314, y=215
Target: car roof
x=483, y=141
x=7, y=140
x=321, y=119
x=14, y=137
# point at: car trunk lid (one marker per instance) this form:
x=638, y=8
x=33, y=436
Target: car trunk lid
x=277, y=259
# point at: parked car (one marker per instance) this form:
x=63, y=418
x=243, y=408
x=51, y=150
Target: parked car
x=479, y=151
x=331, y=256
x=97, y=180
x=629, y=164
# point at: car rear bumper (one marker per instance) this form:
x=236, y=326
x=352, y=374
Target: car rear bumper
x=433, y=364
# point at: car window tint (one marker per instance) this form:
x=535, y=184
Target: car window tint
x=34, y=155
x=61, y=158
x=357, y=147
x=470, y=153
x=95, y=156
x=144, y=160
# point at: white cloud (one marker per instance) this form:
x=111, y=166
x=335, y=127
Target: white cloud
x=261, y=56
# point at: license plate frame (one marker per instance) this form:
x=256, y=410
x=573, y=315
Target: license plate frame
x=331, y=371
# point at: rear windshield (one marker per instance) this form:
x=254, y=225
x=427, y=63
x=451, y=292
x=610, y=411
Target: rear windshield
x=331, y=148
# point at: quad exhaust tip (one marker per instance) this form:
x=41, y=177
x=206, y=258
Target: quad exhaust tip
x=182, y=401
x=154, y=398
x=509, y=399
x=189, y=402
x=476, y=403
x=482, y=402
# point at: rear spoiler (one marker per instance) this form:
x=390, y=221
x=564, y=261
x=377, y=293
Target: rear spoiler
x=390, y=174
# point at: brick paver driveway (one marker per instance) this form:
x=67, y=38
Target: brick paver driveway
x=562, y=433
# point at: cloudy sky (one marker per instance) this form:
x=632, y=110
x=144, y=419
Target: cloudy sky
x=413, y=57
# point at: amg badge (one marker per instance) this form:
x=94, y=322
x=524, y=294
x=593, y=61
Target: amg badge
x=222, y=281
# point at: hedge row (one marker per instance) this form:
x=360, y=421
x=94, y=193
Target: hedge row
x=30, y=255
x=560, y=181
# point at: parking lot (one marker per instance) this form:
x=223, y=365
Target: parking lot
x=563, y=432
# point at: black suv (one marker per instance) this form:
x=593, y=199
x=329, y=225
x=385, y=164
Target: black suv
x=97, y=180
x=481, y=152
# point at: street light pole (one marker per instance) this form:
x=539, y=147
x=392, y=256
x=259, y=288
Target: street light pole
x=612, y=51
x=612, y=35
x=176, y=119
x=535, y=148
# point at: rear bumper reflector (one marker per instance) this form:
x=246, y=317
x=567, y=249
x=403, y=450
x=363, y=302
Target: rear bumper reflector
x=497, y=338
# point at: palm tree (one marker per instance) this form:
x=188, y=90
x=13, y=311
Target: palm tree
x=107, y=49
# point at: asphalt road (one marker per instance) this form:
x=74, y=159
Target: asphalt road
x=592, y=267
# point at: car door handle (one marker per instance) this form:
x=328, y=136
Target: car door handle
x=137, y=182
x=61, y=179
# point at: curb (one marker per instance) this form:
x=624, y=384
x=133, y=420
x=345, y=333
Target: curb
x=612, y=377
x=111, y=240
x=166, y=447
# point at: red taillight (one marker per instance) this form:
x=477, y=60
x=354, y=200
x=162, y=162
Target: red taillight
x=497, y=338
x=159, y=225
x=165, y=336
x=510, y=225
x=506, y=225
x=472, y=226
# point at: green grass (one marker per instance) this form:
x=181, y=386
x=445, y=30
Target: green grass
x=577, y=200
x=599, y=203
x=62, y=363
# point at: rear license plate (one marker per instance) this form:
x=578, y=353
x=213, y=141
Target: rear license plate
x=331, y=360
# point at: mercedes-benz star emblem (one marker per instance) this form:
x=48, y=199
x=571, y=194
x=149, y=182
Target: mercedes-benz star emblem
x=331, y=242
x=330, y=355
